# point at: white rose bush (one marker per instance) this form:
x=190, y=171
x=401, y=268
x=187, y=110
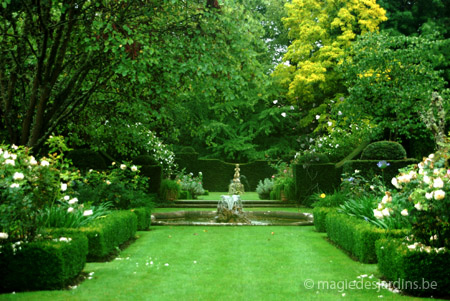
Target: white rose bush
x=422, y=196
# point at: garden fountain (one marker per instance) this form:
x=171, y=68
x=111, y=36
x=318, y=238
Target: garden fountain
x=229, y=210
x=230, y=213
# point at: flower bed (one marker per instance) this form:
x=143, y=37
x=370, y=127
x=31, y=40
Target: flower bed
x=415, y=268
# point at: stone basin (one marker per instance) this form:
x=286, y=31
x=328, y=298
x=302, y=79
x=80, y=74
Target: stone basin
x=257, y=218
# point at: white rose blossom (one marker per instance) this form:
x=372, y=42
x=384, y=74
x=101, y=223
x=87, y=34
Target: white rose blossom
x=438, y=183
x=70, y=210
x=63, y=186
x=134, y=168
x=45, y=163
x=378, y=214
x=10, y=162
x=404, y=212
x=18, y=176
x=14, y=185
x=123, y=166
x=73, y=201
x=418, y=206
x=3, y=235
x=88, y=212
x=439, y=194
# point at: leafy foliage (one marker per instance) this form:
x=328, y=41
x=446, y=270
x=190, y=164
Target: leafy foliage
x=384, y=69
x=321, y=32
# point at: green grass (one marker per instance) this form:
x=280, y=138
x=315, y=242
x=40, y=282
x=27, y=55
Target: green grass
x=222, y=263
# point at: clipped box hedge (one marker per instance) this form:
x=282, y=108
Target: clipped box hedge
x=42, y=265
x=415, y=272
x=107, y=233
x=320, y=214
x=143, y=215
x=357, y=236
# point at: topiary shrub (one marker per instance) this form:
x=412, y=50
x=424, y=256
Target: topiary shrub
x=188, y=150
x=86, y=159
x=384, y=150
x=144, y=160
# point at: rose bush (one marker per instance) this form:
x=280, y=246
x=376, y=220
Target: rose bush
x=423, y=196
x=27, y=185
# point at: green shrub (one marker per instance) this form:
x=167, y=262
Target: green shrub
x=320, y=214
x=335, y=199
x=264, y=188
x=418, y=265
x=145, y=160
x=206, y=192
x=313, y=178
x=188, y=150
x=42, y=265
x=384, y=150
x=312, y=158
x=170, y=190
x=143, y=216
x=86, y=159
x=108, y=233
x=357, y=236
x=185, y=195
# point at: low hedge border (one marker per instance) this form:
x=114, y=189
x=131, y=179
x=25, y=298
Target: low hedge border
x=357, y=236
x=143, y=215
x=43, y=265
x=320, y=214
x=416, y=272
x=108, y=233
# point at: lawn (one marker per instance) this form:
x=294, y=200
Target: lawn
x=224, y=263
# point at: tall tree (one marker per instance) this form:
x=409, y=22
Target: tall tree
x=321, y=31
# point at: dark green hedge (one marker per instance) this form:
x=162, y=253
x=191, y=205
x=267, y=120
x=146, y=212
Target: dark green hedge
x=369, y=168
x=312, y=178
x=43, y=265
x=154, y=172
x=107, y=233
x=403, y=266
x=144, y=160
x=217, y=174
x=143, y=215
x=357, y=236
x=320, y=214
x=85, y=159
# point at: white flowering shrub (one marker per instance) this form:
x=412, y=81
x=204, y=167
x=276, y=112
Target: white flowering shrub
x=121, y=185
x=27, y=185
x=338, y=142
x=422, y=195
